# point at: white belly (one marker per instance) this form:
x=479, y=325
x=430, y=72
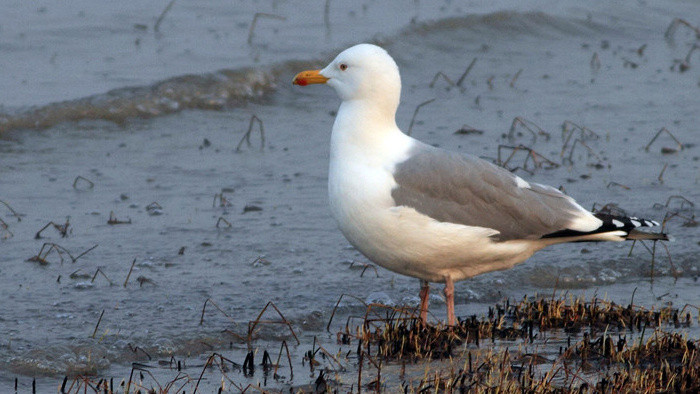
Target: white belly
x=405, y=241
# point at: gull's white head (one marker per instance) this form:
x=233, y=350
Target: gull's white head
x=363, y=72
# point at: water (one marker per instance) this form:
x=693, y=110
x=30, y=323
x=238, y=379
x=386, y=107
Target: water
x=180, y=100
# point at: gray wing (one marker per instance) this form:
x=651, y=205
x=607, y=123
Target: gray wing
x=450, y=187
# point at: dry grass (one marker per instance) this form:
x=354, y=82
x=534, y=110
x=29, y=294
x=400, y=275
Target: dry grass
x=602, y=347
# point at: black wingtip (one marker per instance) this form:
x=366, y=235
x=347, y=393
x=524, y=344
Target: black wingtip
x=611, y=223
x=624, y=223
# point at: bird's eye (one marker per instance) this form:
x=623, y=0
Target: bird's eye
x=343, y=66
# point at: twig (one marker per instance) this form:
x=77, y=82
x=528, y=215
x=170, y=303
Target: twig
x=224, y=221
x=663, y=129
x=359, y=372
x=690, y=52
x=329, y=355
x=670, y=261
x=489, y=82
x=652, y=251
x=41, y=259
x=210, y=301
x=98, y=323
x=328, y=326
x=679, y=197
x=257, y=16
x=246, y=136
x=595, y=62
x=466, y=72
x=536, y=158
x=60, y=250
x=83, y=179
x=661, y=174
x=684, y=64
x=641, y=49
x=689, y=221
x=568, y=129
x=415, y=113
x=129, y=274
x=113, y=219
x=167, y=8
x=85, y=252
x=515, y=78
x=254, y=323
x=610, y=208
x=364, y=268
x=573, y=148
x=6, y=227
x=61, y=228
x=142, y=368
x=618, y=184
x=289, y=359
x=528, y=125
x=378, y=366
x=223, y=201
x=671, y=30
x=14, y=213
x=99, y=271
x=369, y=266
x=438, y=75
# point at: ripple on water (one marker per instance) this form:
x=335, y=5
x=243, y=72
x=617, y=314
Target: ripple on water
x=81, y=358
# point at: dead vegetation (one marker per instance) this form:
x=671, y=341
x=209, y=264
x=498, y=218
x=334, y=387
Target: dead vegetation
x=537, y=345
x=48, y=247
x=246, y=137
x=415, y=113
x=62, y=229
x=531, y=158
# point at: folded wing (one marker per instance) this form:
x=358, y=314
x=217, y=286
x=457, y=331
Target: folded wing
x=463, y=189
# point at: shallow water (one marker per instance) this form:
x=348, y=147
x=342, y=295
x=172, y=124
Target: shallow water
x=278, y=242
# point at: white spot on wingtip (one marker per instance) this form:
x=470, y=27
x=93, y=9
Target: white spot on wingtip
x=654, y=223
x=635, y=223
x=618, y=223
x=521, y=182
x=585, y=223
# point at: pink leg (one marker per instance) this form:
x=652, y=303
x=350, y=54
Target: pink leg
x=450, y=300
x=424, y=293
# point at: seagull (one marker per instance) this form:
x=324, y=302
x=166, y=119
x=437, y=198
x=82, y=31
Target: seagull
x=429, y=213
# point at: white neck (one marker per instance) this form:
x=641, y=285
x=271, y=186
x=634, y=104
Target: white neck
x=362, y=125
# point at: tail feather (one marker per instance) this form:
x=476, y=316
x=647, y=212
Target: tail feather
x=627, y=227
x=637, y=235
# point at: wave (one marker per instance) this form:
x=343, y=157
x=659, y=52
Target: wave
x=511, y=22
x=208, y=91
x=234, y=87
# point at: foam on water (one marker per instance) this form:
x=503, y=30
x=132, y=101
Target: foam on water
x=220, y=90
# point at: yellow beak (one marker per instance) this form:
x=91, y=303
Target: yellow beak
x=308, y=77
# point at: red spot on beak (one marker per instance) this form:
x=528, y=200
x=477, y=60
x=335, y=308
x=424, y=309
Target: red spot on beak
x=309, y=77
